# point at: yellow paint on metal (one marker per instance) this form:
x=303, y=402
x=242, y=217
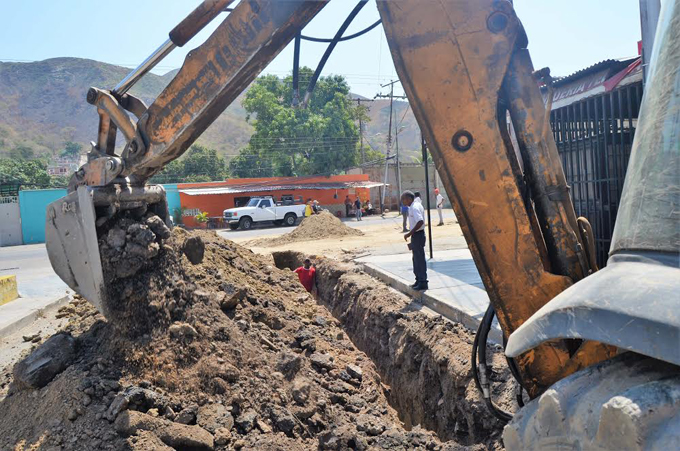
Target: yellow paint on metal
x=8, y=289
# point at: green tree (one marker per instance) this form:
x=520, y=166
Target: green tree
x=319, y=139
x=200, y=164
x=71, y=150
x=24, y=172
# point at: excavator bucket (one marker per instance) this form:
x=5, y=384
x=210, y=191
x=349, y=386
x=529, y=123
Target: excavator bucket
x=72, y=227
x=71, y=240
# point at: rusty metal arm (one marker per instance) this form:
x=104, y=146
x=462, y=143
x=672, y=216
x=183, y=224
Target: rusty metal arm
x=458, y=61
x=212, y=76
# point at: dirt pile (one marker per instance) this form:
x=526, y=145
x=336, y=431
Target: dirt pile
x=315, y=227
x=229, y=353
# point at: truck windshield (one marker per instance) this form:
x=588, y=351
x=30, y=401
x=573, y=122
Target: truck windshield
x=253, y=202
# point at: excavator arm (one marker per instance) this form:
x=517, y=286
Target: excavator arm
x=466, y=70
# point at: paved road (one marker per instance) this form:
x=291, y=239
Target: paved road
x=35, y=276
x=259, y=231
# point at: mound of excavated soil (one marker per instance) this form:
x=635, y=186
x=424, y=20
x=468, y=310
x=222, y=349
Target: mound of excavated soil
x=315, y=227
x=228, y=353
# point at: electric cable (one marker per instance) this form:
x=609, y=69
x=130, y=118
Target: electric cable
x=481, y=373
x=329, y=50
x=346, y=38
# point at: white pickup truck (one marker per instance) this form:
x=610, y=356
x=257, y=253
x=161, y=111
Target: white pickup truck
x=263, y=209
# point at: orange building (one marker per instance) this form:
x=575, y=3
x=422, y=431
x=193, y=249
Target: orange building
x=215, y=197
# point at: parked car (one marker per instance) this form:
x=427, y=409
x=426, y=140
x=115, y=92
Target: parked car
x=263, y=209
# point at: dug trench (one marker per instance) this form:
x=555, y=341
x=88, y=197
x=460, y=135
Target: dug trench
x=209, y=346
x=423, y=358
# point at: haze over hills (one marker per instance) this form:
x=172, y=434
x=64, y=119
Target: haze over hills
x=42, y=105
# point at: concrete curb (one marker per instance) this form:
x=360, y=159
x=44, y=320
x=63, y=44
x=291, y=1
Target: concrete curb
x=32, y=315
x=434, y=302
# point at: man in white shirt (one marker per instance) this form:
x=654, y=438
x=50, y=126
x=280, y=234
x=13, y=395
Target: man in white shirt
x=417, y=198
x=416, y=219
x=440, y=206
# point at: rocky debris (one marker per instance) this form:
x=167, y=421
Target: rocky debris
x=213, y=417
x=187, y=415
x=322, y=361
x=315, y=227
x=34, y=338
x=246, y=421
x=172, y=367
x=175, y=435
x=48, y=360
x=182, y=330
x=230, y=296
x=158, y=227
x=354, y=372
x=194, y=248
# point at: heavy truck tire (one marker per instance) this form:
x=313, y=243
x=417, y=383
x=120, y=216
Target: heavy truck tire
x=630, y=402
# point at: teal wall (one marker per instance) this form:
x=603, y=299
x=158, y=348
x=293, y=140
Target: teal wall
x=172, y=194
x=32, y=206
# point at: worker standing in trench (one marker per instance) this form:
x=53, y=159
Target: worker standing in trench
x=307, y=275
x=416, y=222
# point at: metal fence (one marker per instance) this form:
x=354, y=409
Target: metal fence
x=594, y=138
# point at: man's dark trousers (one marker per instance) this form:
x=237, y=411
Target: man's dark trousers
x=418, y=250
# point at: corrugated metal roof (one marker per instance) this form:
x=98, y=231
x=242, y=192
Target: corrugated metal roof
x=616, y=64
x=238, y=189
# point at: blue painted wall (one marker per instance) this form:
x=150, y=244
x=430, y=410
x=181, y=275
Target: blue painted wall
x=172, y=194
x=32, y=206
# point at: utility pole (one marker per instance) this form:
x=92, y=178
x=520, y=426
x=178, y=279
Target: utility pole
x=361, y=129
x=389, y=139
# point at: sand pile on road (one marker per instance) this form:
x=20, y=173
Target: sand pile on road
x=226, y=353
x=315, y=227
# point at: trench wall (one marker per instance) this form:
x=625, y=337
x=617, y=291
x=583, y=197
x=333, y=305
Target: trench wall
x=424, y=359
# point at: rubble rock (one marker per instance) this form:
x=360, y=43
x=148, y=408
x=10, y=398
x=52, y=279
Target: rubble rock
x=158, y=227
x=213, y=417
x=321, y=361
x=116, y=238
x=301, y=391
x=246, y=421
x=187, y=415
x=176, y=435
x=43, y=364
x=354, y=371
x=182, y=330
x=283, y=419
x=194, y=249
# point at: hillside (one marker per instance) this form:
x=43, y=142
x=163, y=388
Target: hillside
x=42, y=105
x=409, y=136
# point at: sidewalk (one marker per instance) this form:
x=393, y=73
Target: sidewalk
x=39, y=286
x=456, y=289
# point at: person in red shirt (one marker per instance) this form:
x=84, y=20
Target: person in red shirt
x=307, y=275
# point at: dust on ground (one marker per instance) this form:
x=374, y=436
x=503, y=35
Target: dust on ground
x=381, y=236
x=228, y=352
x=315, y=227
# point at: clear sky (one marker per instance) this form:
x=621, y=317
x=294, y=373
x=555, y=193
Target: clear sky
x=566, y=35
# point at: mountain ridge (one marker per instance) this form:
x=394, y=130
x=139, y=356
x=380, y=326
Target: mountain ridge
x=42, y=105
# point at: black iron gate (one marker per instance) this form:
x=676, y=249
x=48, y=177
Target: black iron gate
x=594, y=138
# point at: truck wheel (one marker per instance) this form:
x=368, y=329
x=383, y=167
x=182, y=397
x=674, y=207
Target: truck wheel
x=233, y=226
x=245, y=223
x=290, y=219
x=630, y=402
